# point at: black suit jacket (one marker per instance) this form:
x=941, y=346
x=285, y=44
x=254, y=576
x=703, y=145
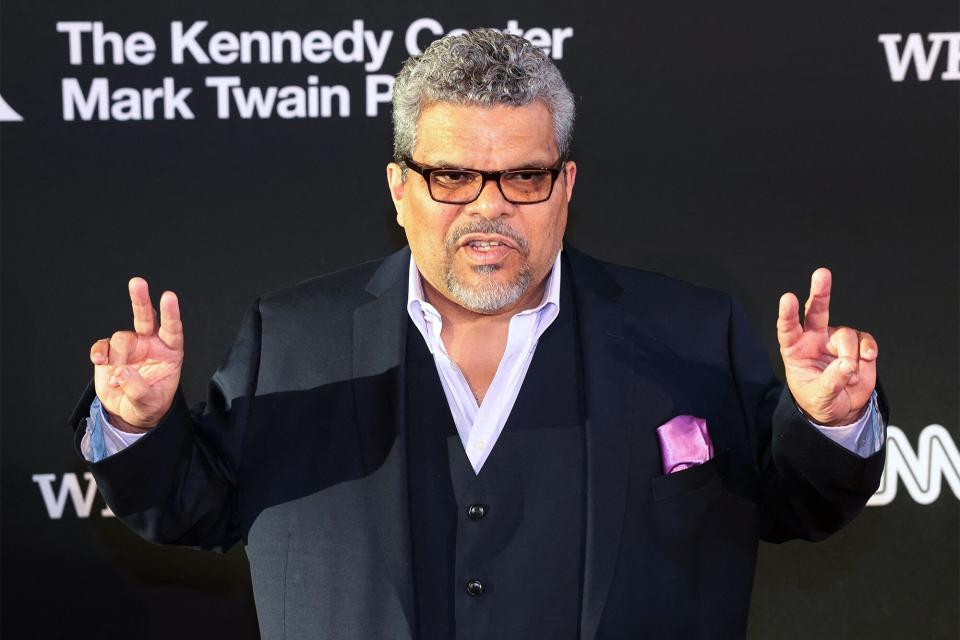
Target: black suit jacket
x=299, y=454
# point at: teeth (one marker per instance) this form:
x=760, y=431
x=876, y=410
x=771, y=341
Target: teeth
x=483, y=244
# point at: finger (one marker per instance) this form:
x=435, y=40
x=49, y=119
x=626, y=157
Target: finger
x=100, y=352
x=134, y=387
x=869, y=349
x=788, y=321
x=101, y=379
x=836, y=376
x=817, y=309
x=122, y=346
x=845, y=344
x=171, y=328
x=144, y=317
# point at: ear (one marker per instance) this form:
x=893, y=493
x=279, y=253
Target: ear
x=396, y=185
x=569, y=177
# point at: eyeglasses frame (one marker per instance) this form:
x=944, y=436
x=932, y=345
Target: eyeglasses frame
x=426, y=170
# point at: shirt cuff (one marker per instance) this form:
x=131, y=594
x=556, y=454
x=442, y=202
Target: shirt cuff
x=865, y=436
x=102, y=439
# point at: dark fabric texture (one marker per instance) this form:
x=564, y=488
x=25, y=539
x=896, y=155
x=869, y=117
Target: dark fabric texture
x=433, y=507
x=530, y=538
x=299, y=453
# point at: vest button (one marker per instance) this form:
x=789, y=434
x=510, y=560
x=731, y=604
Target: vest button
x=477, y=511
x=474, y=587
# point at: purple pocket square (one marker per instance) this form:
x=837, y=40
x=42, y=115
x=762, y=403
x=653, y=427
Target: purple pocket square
x=684, y=443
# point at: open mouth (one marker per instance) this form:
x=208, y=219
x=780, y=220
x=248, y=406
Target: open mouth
x=484, y=251
x=486, y=245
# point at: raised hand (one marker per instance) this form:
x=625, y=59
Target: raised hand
x=136, y=373
x=831, y=371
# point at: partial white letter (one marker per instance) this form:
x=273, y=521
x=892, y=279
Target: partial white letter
x=74, y=100
x=74, y=29
x=180, y=40
x=223, y=84
x=413, y=33
x=376, y=96
x=898, y=62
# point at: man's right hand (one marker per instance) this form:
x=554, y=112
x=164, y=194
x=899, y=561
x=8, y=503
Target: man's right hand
x=136, y=373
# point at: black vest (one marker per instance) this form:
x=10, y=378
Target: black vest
x=499, y=554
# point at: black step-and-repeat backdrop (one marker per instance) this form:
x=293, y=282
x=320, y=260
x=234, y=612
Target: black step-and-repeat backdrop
x=222, y=151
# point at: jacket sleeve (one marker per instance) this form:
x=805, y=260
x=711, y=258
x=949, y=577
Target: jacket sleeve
x=178, y=483
x=808, y=485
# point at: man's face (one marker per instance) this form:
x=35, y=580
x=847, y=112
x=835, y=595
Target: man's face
x=444, y=237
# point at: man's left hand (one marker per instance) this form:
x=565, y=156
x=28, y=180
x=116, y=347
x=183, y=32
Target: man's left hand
x=831, y=371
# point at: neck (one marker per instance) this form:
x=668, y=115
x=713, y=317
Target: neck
x=477, y=341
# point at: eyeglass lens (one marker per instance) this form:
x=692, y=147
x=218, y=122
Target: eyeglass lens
x=530, y=185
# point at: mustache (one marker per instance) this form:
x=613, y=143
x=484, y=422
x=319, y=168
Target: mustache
x=497, y=226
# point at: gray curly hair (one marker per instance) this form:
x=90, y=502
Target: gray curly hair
x=481, y=67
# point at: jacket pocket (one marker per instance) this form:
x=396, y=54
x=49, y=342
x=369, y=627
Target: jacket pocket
x=689, y=480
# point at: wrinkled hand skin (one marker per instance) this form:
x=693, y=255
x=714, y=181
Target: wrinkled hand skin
x=831, y=371
x=136, y=373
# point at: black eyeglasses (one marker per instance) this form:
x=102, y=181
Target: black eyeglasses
x=462, y=186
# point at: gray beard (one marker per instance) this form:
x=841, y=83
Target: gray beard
x=487, y=297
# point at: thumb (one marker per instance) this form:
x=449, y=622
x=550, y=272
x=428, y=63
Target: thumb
x=134, y=387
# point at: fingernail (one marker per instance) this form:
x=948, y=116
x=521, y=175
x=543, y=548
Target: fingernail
x=122, y=375
x=112, y=381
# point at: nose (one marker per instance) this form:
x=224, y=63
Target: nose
x=490, y=203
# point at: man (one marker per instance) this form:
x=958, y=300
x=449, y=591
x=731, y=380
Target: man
x=490, y=435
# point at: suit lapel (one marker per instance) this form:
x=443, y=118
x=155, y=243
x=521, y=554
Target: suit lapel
x=379, y=335
x=619, y=400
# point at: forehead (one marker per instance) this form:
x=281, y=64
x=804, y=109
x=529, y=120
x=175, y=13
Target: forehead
x=486, y=137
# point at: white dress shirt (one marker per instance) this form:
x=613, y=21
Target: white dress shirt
x=479, y=425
